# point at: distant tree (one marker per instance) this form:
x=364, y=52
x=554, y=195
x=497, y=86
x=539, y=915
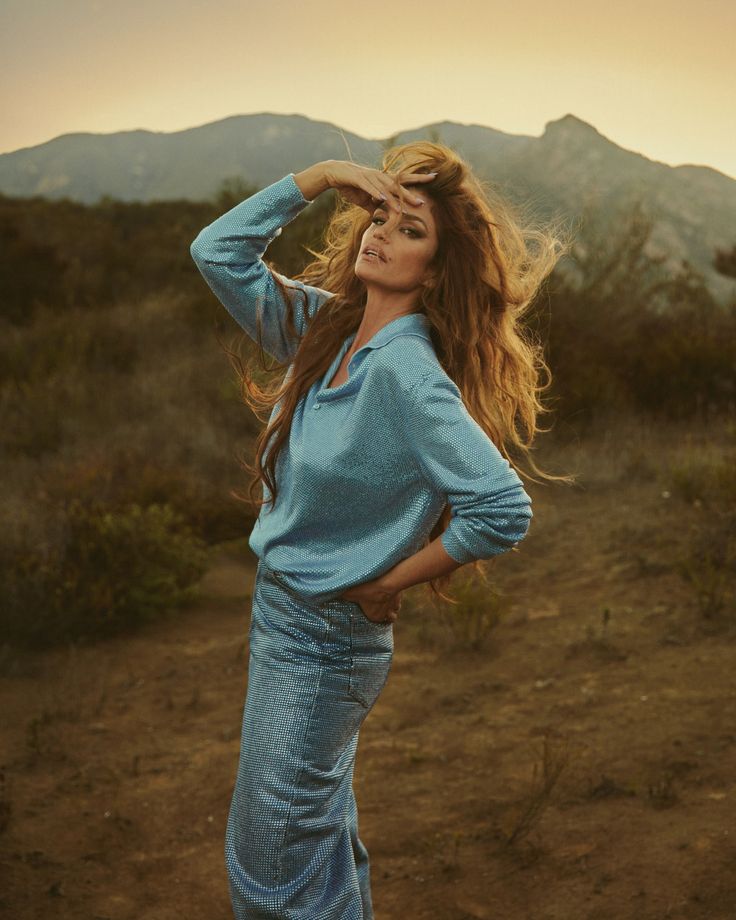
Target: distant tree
x=629, y=331
x=231, y=191
x=29, y=273
x=724, y=262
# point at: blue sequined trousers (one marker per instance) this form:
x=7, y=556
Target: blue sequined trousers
x=315, y=670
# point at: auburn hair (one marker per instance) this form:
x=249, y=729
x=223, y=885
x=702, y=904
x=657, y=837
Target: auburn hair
x=489, y=266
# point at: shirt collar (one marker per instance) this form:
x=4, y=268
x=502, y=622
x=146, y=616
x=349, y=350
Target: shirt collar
x=409, y=323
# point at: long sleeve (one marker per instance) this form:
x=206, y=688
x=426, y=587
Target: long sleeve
x=229, y=253
x=491, y=512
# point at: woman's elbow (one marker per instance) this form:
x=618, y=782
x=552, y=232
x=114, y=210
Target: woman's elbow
x=198, y=248
x=520, y=526
x=515, y=523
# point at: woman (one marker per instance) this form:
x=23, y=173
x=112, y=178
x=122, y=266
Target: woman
x=383, y=465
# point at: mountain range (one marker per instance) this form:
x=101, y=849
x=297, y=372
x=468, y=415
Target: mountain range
x=568, y=170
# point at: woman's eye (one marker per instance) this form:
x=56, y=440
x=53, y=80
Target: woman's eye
x=410, y=229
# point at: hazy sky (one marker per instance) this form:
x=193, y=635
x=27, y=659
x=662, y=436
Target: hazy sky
x=655, y=76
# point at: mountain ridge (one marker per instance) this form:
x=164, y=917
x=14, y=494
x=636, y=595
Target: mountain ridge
x=563, y=170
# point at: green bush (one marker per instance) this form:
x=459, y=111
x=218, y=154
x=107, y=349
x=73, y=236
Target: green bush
x=117, y=478
x=103, y=572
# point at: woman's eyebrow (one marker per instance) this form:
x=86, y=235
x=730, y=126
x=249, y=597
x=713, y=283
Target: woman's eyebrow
x=407, y=216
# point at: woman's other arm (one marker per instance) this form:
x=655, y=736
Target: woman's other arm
x=491, y=511
x=432, y=561
x=228, y=253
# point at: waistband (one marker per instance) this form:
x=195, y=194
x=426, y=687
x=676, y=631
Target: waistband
x=280, y=579
x=275, y=574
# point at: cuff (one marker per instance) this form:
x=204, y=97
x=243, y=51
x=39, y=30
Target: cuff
x=455, y=548
x=290, y=181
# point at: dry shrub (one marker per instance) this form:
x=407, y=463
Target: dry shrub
x=708, y=561
x=479, y=607
x=708, y=565
x=528, y=811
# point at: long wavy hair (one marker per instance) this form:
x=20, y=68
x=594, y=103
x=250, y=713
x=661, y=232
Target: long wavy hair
x=489, y=266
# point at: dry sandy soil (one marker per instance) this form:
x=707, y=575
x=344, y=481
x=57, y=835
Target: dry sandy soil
x=118, y=759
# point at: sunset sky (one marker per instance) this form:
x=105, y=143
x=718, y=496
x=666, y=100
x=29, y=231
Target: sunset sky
x=654, y=76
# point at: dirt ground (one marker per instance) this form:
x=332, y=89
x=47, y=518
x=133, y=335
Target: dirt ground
x=118, y=760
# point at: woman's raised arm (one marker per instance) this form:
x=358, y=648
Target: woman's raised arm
x=228, y=253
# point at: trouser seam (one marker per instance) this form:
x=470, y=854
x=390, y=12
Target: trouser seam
x=295, y=785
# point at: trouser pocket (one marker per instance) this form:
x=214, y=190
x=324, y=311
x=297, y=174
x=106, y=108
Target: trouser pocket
x=371, y=654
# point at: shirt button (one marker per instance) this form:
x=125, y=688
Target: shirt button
x=316, y=405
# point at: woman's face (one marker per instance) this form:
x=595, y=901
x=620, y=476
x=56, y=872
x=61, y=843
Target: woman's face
x=407, y=242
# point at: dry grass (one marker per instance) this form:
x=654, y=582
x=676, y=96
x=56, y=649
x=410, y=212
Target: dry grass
x=526, y=814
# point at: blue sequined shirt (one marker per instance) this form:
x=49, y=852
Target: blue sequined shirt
x=369, y=464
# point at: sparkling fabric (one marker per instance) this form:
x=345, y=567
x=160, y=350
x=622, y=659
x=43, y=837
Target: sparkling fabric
x=292, y=846
x=366, y=473
x=371, y=463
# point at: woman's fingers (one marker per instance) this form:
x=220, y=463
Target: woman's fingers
x=395, y=186
x=379, y=195
x=392, y=189
x=374, y=193
x=377, y=184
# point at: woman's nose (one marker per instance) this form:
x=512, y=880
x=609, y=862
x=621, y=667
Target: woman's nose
x=380, y=231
